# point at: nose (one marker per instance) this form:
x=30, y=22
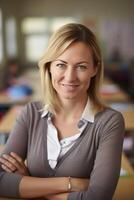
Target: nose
x=70, y=74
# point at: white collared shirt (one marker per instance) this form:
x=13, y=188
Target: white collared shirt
x=55, y=148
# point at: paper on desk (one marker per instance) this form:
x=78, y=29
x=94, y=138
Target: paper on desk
x=122, y=106
x=123, y=172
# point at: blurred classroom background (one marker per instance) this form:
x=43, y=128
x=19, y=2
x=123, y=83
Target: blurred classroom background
x=25, y=27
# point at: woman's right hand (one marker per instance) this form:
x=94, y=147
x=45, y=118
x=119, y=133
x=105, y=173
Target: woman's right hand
x=14, y=163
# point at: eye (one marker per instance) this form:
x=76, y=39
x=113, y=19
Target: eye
x=60, y=65
x=82, y=67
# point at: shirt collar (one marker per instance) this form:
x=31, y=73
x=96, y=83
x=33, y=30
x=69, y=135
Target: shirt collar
x=88, y=113
x=45, y=112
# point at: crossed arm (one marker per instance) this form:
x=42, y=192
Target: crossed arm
x=108, y=154
x=48, y=188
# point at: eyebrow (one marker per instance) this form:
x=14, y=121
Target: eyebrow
x=76, y=63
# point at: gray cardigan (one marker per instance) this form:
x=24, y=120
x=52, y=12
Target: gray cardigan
x=96, y=154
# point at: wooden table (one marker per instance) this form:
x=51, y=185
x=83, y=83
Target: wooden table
x=129, y=119
x=127, y=110
x=110, y=92
x=8, y=120
x=114, y=97
x=126, y=164
x=125, y=187
x=31, y=78
x=5, y=99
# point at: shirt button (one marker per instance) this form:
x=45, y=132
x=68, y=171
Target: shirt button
x=80, y=124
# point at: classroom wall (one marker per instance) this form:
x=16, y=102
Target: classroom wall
x=96, y=10
x=90, y=8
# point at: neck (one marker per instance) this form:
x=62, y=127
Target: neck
x=72, y=108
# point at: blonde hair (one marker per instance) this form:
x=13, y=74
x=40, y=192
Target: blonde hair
x=59, y=42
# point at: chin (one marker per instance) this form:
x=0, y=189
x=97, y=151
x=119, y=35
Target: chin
x=69, y=97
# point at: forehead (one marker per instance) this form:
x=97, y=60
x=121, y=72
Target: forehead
x=77, y=51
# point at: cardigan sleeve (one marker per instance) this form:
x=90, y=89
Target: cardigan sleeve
x=17, y=142
x=106, y=170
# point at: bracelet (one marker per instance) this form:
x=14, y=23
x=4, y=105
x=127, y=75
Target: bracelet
x=69, y=184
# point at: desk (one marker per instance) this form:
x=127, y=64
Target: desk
x=110, y=92
x=30, y=78
x=114, y=97
x=127, y=110
x=5, y=99
x=8, y=120
x=129, y=119
x=125, y=187
x=126, y=164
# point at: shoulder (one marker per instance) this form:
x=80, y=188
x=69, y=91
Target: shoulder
x=110, y=124
x=109, y=116
x=31, y=110
x=108, y=112
x=34, y=106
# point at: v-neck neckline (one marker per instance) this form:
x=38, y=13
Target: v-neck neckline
x=60, y=161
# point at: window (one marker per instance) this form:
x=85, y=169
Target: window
x=36, y=33
x=59, y=21
x=34, y=25
x=11, y=46
x=35, y=45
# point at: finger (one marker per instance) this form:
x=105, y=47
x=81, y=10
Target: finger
x=11, y=160
x=17, y=157
x=20, y=161
x=23, y=168
x=7, y=164
x=6, y=168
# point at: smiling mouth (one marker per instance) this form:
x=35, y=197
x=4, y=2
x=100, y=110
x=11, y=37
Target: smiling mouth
x=70, y=87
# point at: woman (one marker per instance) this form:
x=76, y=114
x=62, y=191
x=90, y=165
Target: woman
x=71, y=141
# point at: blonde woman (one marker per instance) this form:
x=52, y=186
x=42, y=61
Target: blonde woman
x=71, y=141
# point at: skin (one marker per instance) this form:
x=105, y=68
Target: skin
x=31, y=187
x=71, y=74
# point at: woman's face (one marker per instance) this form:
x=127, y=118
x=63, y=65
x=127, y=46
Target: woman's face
x=72, y=71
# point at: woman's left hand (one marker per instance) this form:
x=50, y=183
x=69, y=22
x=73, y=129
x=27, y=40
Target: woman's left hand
x=62, y=196
x=14, y=163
